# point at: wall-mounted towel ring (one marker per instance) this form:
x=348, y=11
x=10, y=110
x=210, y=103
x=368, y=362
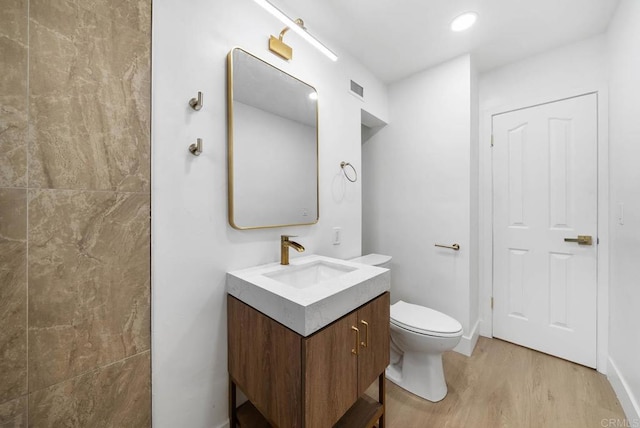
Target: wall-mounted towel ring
x=355, y=173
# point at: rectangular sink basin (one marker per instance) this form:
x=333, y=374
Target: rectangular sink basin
x=309, y=293
x=310, y=274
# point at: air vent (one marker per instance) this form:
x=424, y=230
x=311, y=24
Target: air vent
x=357, y=90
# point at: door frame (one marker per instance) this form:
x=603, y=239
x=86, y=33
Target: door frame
x=486, y=211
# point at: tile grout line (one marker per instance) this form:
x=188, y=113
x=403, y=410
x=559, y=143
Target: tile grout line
x=74, y=190
x=27, y=137
x=89, y=191
x=95, y=369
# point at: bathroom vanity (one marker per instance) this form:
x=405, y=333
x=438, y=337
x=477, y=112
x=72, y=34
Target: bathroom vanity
x=314, y=381
x=311, y=370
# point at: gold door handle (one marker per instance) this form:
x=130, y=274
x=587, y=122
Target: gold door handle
x=366, y=334
x=356, y=350
x=581, y=240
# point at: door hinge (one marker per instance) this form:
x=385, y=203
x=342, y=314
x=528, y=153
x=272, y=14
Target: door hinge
x=491, y=140
x=492, y=303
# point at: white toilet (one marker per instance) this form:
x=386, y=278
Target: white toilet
x=419, y=336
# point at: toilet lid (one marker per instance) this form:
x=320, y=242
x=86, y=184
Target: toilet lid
x=422, y=320
x=372, y=259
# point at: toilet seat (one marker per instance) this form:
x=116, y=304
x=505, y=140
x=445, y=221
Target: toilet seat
x=422, y=320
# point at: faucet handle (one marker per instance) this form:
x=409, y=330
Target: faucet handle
x=285, y=237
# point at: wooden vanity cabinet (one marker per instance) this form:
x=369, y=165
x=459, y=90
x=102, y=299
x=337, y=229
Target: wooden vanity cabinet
x=315, y=381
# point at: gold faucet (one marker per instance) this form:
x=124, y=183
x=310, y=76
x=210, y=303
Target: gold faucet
x=284, y=248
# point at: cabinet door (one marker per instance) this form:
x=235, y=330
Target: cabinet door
x=374, y=335
x=331, y=372
x=264, y=361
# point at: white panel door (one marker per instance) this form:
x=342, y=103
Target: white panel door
x=545, y=190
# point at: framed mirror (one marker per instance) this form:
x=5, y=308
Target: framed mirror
x=272, y=146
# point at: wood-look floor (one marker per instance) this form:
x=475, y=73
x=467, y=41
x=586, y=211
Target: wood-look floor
x=505, y=385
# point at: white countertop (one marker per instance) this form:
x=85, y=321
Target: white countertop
x=306, y=310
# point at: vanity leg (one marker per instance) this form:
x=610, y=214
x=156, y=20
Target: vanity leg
x=381, y=399
x=233, y=415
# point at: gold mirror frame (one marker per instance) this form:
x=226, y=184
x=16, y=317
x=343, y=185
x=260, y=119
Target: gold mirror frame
x=230, y=147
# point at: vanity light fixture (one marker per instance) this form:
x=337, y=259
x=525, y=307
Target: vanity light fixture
x=464, y=21
x=277, y=46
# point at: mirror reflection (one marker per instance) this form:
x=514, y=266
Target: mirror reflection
x=273, y=145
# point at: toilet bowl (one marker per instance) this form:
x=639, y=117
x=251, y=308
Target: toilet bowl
x=419, y=336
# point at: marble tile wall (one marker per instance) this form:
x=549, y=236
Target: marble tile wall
x=13, y=294
x=75, y=213
x=88, y=281
x=13, y=93
x=111, y=397
x=89, y=95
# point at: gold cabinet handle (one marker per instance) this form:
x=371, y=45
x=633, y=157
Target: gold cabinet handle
x=581, y=240
x=356, y=350
x=366, y=334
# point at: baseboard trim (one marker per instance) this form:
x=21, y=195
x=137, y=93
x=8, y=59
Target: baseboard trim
x=468, y=343
x=626, y=397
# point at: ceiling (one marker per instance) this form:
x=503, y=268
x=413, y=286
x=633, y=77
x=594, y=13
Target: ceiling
x=396, y=38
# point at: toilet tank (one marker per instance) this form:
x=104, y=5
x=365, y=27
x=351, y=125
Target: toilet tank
x=379, y=260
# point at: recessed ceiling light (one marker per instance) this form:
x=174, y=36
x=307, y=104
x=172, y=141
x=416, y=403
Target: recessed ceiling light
x=464, y=21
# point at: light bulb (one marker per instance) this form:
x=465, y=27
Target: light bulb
x=464, y=21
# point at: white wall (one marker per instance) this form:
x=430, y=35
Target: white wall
x=624, y=135
x=567, y=71
x=192, y=244
x=474, y=208
x=417, y=189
